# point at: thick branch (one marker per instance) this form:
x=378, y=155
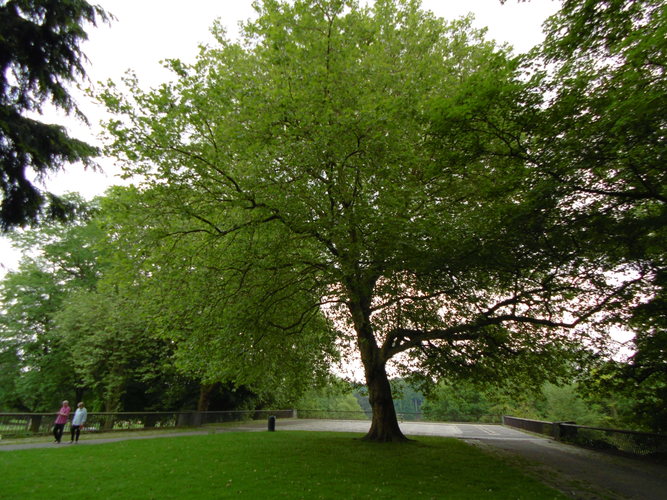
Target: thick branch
x=401, y=339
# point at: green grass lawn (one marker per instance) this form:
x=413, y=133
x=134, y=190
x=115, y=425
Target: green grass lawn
x=264, y=465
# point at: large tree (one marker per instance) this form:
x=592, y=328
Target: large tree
x=57, y=261
x=111, y=349
x=304, y=169
x=593, y=126
x=69, y=327
x=602, y=136
x=40, y=56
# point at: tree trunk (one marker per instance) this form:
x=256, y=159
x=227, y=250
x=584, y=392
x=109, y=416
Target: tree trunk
x=205, y=393
x=79, y=395
x=384, y=425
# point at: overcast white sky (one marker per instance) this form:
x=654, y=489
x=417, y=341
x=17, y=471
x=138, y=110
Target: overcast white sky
x=148, y=31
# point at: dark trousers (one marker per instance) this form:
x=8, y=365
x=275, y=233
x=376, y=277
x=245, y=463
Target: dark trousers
x=58, y=431
x=75, y=430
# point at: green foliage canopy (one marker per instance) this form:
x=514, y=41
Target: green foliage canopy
x=311, y=168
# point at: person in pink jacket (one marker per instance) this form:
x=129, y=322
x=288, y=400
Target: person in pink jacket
x=61, y=420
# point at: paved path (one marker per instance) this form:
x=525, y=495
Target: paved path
x=579, y=473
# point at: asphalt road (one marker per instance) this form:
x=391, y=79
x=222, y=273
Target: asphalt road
x=579, y=473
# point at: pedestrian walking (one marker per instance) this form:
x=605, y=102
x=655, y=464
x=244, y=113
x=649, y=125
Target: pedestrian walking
x=61, y=420
x=80, y=416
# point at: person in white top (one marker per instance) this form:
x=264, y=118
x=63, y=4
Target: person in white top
x=80, y=416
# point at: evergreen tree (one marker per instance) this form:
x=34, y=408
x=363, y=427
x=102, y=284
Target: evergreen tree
x=39, y=56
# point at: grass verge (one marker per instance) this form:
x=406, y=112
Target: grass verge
x=289, y=464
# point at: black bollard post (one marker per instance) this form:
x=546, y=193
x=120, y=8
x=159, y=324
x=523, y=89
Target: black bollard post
x=272, y=423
